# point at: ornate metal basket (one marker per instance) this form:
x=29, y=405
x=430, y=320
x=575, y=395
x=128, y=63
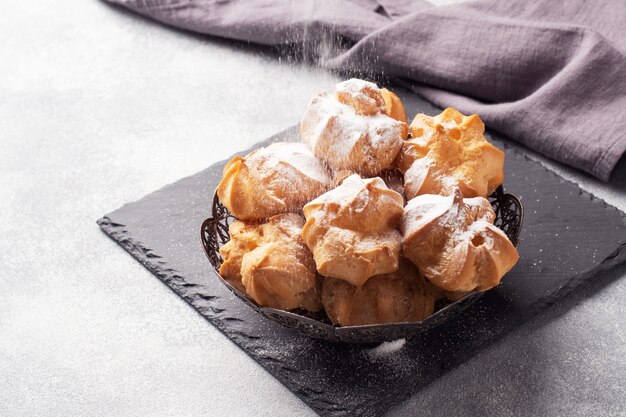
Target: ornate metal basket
x=214, y=234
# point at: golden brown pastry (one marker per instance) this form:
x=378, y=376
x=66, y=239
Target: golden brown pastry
x=394, y=107
x=277, y=179
x=400, y=296
x=454, y=243
x=244, y=238
x=449, y=151
x=351, y=230
x=351, y=129
x=271, y=263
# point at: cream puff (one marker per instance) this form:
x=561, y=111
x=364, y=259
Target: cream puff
x=354, y=129
x=454, y=244
x=271, y=263
x=352, y=230
x=447, y=152
x=279, y=178
x=396, y=297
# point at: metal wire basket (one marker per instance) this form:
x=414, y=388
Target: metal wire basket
x=214, y=234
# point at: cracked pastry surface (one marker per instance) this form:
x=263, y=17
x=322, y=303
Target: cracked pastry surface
x=454, y=244
x=450, y=151
x=400, y=296
x=270, y=262
x=352, y=230
x=351, y=130
x=279, y=178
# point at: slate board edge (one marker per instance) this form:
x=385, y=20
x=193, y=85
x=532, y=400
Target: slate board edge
x=169, y=277
x=119, y=234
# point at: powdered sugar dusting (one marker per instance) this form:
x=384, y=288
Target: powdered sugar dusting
x=386, y=348
x=354, y=191
x=463, y=217
x=422, y=210
x=363, y=95
x=449, y=238
x=355, y=86
x=347, y=139
x=294, y=155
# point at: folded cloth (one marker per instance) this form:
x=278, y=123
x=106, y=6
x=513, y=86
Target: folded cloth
x=549, y=74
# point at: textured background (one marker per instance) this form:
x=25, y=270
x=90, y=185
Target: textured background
x=99, y=107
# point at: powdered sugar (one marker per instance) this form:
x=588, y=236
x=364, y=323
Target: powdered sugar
x=422, y=210
x=355, y=86
x=463, y=219
x=454, y=243
x=358, y=193
x=386, y=348
x=363, y=96
x=288, y=159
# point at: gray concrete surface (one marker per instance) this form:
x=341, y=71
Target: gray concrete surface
x=99, y=107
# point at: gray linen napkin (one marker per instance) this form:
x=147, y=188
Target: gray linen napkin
x=549, y=74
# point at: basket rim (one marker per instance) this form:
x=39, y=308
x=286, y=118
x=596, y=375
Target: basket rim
x=346, y=329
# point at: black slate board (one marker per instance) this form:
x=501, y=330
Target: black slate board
x=568, y=236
